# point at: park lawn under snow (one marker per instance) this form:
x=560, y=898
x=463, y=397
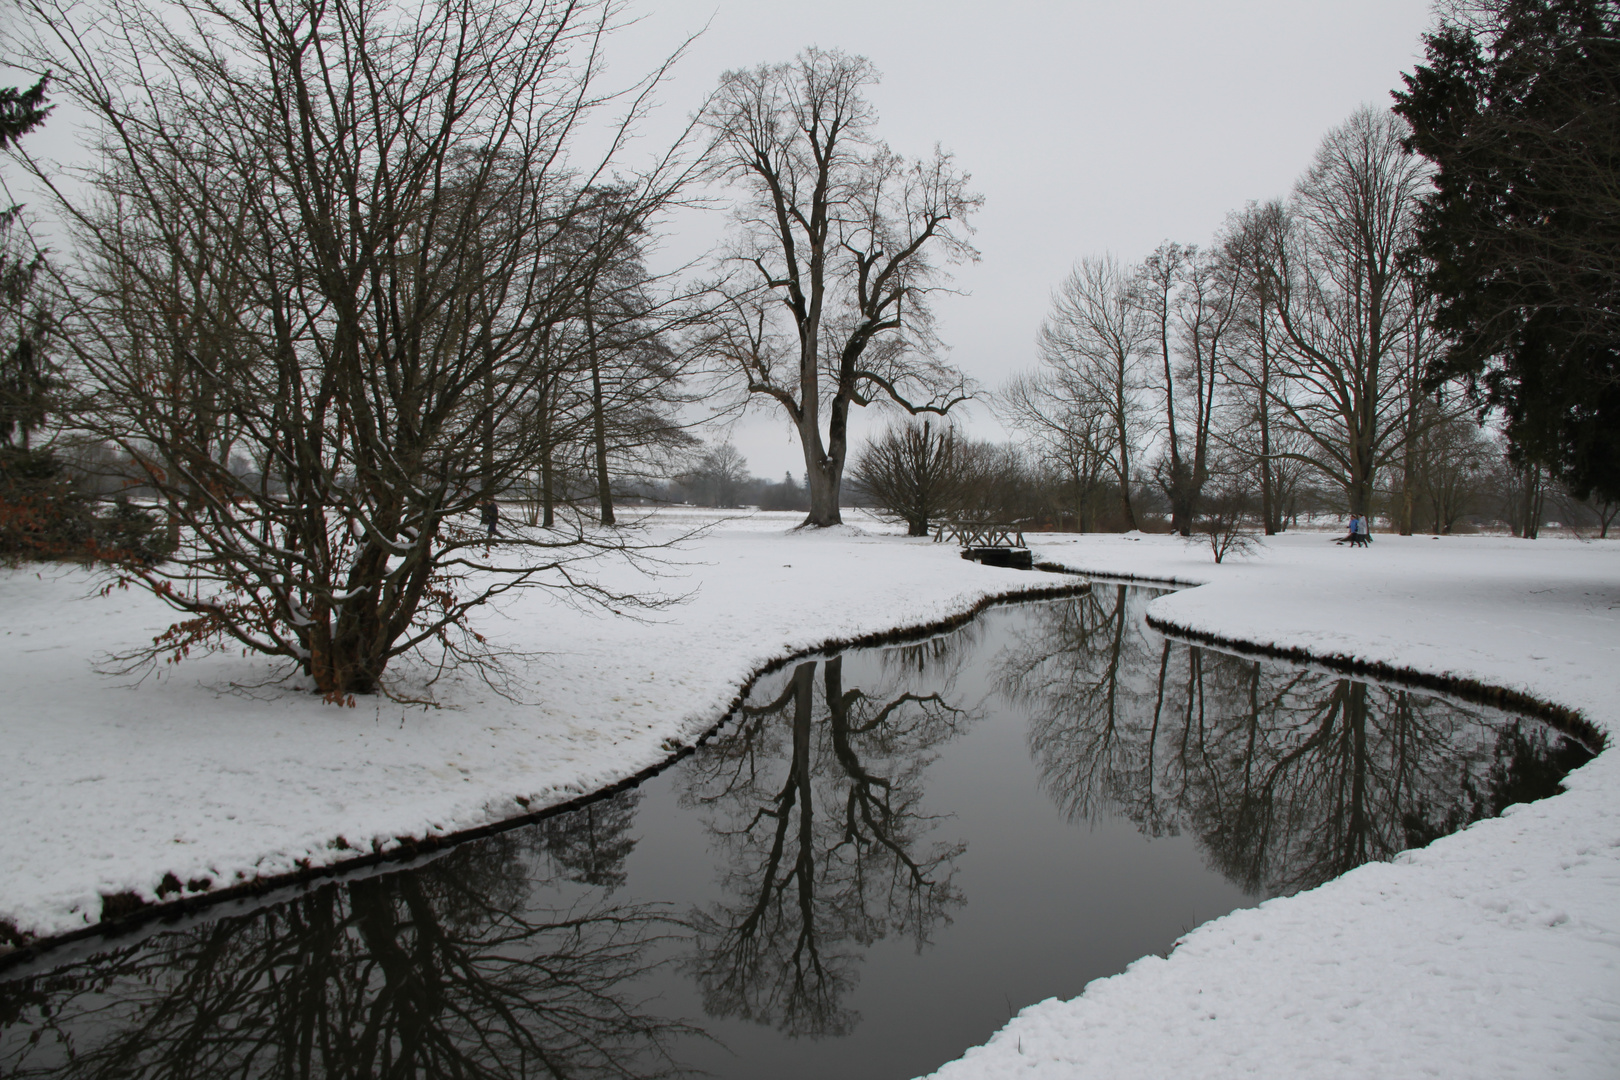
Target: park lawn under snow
x=111, y=786
x=1494, y=952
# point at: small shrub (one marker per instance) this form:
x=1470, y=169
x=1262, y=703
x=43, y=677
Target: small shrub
x=131, y=535
x=43, y=515
x=1226, y=523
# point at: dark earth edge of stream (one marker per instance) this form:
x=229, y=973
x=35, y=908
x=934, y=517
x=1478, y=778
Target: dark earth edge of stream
x=126, y=916
x=125, y=913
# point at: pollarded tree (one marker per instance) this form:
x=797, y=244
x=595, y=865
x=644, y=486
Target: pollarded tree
x=837, y=250
x=332, y=238
x=918, y=473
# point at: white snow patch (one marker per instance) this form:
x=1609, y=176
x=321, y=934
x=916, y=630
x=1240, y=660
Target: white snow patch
x=1495, y=952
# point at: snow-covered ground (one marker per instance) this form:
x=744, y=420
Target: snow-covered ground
x=1494, y=952
x=110, y=787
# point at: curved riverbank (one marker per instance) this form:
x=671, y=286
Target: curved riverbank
x=206, y=794
x=1492, y=952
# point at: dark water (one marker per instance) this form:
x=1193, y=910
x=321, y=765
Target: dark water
x=877, y=862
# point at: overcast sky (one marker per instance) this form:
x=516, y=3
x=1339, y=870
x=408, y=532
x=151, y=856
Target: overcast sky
x=1088, y=126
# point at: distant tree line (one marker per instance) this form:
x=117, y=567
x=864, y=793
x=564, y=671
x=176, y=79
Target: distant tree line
x=1424, y=331
x=338, y=276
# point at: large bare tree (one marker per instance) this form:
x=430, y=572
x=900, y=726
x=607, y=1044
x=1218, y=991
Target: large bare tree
x=1346, y=305
x=837, y=248
x=1092, y=349
x=330, y=239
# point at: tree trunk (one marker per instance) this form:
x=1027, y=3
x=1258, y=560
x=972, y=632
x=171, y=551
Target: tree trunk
x=548, y=478
x=1530, y=526
x=604, y=491
x=1181, y=498
x=824, y=470
x=825, y=483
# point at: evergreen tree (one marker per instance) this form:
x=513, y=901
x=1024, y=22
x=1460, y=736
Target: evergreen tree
x=1518, y=107
x=24, y=372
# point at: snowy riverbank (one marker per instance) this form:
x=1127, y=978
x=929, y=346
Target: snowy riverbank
x=1494, y=952
x=111, y=788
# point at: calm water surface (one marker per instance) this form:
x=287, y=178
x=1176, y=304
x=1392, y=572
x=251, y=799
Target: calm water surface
x=877, y=861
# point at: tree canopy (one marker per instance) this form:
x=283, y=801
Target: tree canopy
x=1518, y=107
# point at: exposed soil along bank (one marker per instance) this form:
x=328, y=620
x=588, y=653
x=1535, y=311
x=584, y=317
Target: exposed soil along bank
x=1115, y=575
x=123, y=912
x=1569, y=721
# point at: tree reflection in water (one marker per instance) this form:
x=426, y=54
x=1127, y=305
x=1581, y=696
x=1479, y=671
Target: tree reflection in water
x=1288, y=777
x=439, y=971
x=509, y=957
x=813, y=801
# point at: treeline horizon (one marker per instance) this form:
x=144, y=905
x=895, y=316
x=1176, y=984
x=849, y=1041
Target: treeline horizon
x=340, y=275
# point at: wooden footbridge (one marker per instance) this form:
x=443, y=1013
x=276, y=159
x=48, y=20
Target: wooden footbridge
x=993, y=543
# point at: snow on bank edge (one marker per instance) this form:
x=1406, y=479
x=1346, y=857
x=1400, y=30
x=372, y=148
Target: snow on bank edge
x=128, y=802
x=1493, y=952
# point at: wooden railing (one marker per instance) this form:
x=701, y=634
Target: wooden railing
x=975, y=534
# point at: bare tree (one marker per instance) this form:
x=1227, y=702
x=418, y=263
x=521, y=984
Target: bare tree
x=1522, y=495
x=826, y=305
x=625, y=322
x=917, y=473
x=1225, y=519
x=1252, y=376
x=1069, y=429
x=1345, y=304
x=1207, y=310
x=333, y=238
x=1451, y=465
x=719, y=476
x=1091, y=348
x=1153, y=291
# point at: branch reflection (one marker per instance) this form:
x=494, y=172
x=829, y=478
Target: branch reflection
x=819, y=827
x=442, y=971
x=1287, y=777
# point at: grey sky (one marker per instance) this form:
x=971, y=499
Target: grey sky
x=1088, y=126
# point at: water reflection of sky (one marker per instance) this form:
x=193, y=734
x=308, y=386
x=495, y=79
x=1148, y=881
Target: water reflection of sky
x=880, y=858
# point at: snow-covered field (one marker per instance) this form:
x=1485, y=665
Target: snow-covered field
x=110, y=787
x=1494, y=952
